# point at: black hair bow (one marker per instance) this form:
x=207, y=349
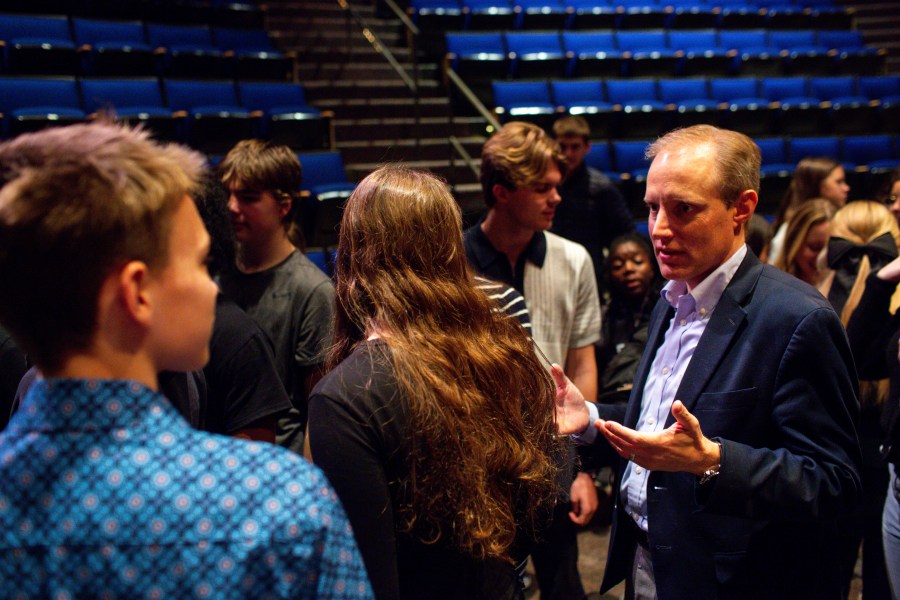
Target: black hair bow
x=845, y=256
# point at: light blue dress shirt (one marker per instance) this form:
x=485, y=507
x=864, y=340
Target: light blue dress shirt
x=693, y=309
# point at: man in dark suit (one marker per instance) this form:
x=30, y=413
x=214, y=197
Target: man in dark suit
x=737, y=447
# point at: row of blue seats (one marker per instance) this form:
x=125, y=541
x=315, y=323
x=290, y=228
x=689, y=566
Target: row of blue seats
x=874, y=153
x=449, y=15
x=516, y=54
x=587, y=94
x=227, y=13
x=648, y=107
x=63, y=45
x=209, y=115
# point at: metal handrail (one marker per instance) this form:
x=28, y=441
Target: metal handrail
x=467, y=158
x=472, y=98
x=379, y=47
x=412, y=32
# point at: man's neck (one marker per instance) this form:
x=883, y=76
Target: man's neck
x=255, y=258
x=91, y=365
x=506, y=236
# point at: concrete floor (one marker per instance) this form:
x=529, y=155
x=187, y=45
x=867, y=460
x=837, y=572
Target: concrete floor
x=592, y=547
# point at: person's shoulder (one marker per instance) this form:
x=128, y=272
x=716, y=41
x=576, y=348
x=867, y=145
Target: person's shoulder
x=598, y=179
x=566, y=248
x=791, y=295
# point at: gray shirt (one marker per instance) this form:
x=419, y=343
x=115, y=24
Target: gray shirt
x=293, y=302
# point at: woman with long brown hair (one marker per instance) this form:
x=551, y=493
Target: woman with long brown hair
x=435, y=422
x=815, y=177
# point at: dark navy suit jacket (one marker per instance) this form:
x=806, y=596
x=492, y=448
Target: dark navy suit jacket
x=773, y=380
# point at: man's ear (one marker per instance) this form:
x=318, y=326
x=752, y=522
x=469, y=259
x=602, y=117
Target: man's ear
x=501, y=194
x=136, y=292
x=284, y=207
x=744, y=207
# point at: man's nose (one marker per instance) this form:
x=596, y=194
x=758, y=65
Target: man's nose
x=232, y=203
x=660, y=225
x=555, y=198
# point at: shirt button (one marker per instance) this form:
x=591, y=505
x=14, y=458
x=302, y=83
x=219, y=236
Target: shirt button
x=665, y=370
x=651, y=421
x=684, y=321
x=702, y=311
x=638, y=470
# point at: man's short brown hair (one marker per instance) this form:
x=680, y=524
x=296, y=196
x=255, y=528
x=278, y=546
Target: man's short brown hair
x=737, y=156
x=77, y=203
x=572, y=126
x=517, y=156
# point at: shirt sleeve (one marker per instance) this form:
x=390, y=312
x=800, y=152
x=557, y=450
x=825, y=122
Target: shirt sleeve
x=586, y=328
x=314, y=330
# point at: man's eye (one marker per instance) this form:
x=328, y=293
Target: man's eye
x=685, y=208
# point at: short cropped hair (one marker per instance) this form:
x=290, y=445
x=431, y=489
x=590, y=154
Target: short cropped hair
x=572, y=126
x=262, y=166
x=518, y=156
x=77, y=203
x=737, y=157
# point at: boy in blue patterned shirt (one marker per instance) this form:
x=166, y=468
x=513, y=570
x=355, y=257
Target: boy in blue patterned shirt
x=105, y=491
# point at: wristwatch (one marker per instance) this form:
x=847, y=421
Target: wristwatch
x=712, y=472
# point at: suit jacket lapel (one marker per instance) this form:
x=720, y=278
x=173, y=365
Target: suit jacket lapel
x=724, y=324
x=659, y=324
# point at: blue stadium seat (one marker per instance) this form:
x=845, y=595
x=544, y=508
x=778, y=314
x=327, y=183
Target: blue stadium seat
x=594, y=54
x=754, y=54
x=489, y=15
x=593, y=15
x=287, y=118
x=745, y=110
x=798, y=112
x=852, y=56
x=524, y=101
x=35, y=45
x=542, y=14
x=32, y=103
x=255, y=56
x=133, y=101
x=803, y=147
x=649, y=53
x=850, y=112
x=775, y=173
x=326, y=180
x=691, y=101
x=478, y=56
x=642, y=114
x=887, y=90
x=801, y=52
x=692, y=14
x=870, y=153
x=190, y=51
x=600, y=157
x=585, y=97
x=536, y=54
x=433, y=18
x=115, y=48
x=642, y=14
x=215, y=119
x=701, y=53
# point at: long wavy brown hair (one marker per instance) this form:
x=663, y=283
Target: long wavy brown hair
x=481, y=404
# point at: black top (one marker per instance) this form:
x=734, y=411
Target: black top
x=236, y=388
x=240, y=376
x=12, y=368
x=493, y=264
x=874, y=335
x=592, y=213
x=359, y=435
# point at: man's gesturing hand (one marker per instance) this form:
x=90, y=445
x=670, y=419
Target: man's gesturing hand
x=681, y=447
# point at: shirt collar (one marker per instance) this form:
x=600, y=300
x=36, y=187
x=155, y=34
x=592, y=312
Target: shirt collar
x=485, y=254
x=707, y=293
x=89, y=404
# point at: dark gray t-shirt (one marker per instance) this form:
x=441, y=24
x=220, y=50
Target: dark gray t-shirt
x=293, y=302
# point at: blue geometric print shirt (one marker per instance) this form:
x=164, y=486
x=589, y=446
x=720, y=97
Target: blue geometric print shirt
x=106, y=491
